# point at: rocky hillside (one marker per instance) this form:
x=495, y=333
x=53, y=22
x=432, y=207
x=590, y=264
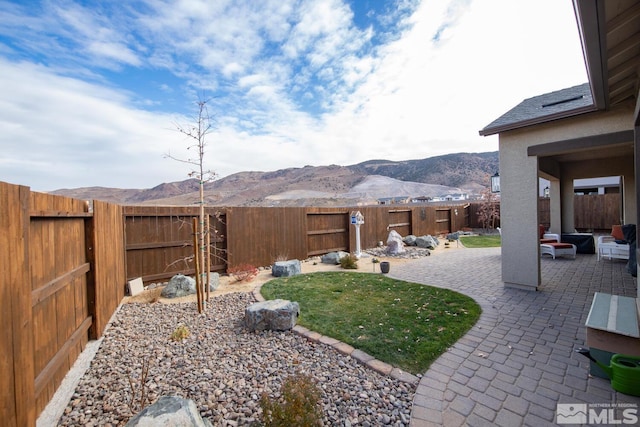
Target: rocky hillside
x=318, y=185
x=469, y=171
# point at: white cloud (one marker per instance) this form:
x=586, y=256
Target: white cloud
x=271, y=66
x=67, y=133
x=113, y=51
x=429, y=97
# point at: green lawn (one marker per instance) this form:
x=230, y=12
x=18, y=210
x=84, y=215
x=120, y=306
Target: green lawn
x=407, y=325
x=487, y=241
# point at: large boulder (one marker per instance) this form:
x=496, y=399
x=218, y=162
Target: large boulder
x=428, y=242
x=286, y=268
x=409, y=240
x=333, y=257
x=273, y=315
x=395, y=245
x=170, y=411
x=181, y=285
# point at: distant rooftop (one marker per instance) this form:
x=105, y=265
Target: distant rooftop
x=544, y=108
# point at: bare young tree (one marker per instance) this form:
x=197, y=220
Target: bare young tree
x=196, y=132
x=489, y=211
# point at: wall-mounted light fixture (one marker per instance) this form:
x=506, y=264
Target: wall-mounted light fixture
x=495, y=183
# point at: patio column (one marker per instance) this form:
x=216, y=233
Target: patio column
x=566, y=200
x=519, y=214
x=555, y=207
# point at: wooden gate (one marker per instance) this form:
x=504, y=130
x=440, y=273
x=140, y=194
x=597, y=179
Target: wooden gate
x=63, y=277
x=60, y=306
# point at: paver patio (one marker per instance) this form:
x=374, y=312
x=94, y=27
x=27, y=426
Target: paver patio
x=518, y=362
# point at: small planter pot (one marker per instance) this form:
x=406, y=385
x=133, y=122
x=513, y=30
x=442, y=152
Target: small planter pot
x=384, y=267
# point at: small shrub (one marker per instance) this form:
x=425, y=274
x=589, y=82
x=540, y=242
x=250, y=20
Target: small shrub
x=243, y=272
x=298, y=404
x=180, y=333
x=349, y=262
x=282, y=257
x=137, y=403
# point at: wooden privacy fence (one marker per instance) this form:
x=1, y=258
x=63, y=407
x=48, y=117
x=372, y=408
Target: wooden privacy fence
x=159, y=240
x=590, y=212
x=63, y=276
x=64, y=267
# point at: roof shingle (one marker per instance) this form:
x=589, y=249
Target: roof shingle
x=543, y=108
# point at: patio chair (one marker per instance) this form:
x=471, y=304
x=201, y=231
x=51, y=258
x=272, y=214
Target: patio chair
x=547, y=237
x=613, y=246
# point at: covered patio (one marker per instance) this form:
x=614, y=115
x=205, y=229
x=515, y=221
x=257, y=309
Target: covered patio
x=586, y=131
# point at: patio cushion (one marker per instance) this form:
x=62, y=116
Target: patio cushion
x=616, y=232
x=557, y=245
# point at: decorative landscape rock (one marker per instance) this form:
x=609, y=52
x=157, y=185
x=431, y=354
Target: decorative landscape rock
x=453, y=236
x=286, y=268
x=395, y=245
x=170, y=411
x=409, y=240
x=226, y=372
x=181, y=285
x=273, y=315
x=333, y=257
x=410, y=252
x=428, y=242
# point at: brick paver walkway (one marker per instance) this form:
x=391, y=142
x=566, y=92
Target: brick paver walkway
x=518, y=362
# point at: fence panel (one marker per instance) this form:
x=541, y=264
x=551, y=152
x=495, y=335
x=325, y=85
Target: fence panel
x=544, y=213
x=258, y=236
x=374, y=229
x=50, y=284
x=443, y=221
x=159, y=240
x=400, y=221
x=593, y=212
x=17, y=397
x=108, y=259
x=60, y=308
x=327, y=231
x=596, y=212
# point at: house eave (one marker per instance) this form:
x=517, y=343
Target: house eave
x=591, y=28
x=538, y=120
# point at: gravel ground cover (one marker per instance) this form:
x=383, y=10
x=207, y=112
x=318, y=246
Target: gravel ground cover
x=224, y=368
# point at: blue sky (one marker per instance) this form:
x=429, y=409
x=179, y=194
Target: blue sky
x=91, y=93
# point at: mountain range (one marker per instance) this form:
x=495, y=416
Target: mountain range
x=332, y=185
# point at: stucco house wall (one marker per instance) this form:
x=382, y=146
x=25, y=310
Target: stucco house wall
x=519, y=174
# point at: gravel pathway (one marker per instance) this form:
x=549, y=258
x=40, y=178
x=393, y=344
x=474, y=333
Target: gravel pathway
x=224, y=369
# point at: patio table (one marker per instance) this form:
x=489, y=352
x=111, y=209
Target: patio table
x=584, y=242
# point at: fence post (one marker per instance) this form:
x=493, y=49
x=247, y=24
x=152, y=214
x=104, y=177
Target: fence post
x=17, y=371
x=90, y=246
